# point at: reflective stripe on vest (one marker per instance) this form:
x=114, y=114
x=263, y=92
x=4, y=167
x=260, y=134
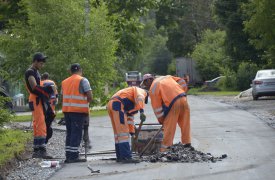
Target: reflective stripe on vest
x=73, y=100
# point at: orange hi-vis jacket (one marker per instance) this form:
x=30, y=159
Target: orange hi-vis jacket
x=163, y=92
x=181, y=82
x=73, y=100
x=50, y=82
x=135, y=94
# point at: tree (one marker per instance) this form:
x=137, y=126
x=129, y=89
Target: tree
x=126, y=18
x=210, y=55
x=261, y=27
x=231, y=17
x=58, y=30
x=184, y=21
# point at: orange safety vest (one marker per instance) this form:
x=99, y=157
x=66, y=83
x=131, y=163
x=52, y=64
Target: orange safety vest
x=73, y=100
x=47, y=81
x=163, y=91
x=135, y=94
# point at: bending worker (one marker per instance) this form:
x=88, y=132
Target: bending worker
x=168, y=99
x=121, y=108
x=77, y=94
x=37, y=98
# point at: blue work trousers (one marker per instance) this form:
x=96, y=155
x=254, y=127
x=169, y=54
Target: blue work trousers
x=74, y=128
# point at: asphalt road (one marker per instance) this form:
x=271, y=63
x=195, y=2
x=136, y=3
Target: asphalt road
x=217, y=128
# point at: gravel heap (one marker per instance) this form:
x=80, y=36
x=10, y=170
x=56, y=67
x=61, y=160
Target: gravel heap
x=179, y=153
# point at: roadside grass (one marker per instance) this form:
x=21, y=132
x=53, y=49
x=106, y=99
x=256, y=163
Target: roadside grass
x=12, y=143
x=26, y=118
x=197, y=91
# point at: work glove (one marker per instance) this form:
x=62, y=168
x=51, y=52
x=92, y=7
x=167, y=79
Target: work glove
x=142, y=117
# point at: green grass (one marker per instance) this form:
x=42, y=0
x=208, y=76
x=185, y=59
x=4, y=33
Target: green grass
x=12, y=143
x=25, y=118
x=196, y=91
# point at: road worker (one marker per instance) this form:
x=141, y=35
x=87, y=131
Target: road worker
x=121, y=108
x=51, y=103
x=45, y=81
x=37, y=98
x=76, y=96
x=168, y=99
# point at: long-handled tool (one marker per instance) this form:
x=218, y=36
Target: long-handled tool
x=150, y=142
x=137, y=133
x=86, y=139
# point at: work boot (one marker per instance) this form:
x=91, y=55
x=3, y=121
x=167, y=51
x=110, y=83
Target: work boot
x=129, y=160
x=44, y=153
x=75, y=160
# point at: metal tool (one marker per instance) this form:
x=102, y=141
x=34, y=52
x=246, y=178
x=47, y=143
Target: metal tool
x=150, y=142
x=93, y=171
x=99, y=152
x=86, y=139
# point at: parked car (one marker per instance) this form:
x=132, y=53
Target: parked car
x=211, y=83
x=263, y=84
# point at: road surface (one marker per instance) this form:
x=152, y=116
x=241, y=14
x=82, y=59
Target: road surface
x=217, y=128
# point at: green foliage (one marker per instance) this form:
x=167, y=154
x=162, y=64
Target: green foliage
x=184, y=21
x=231, y=16
x=245, y=74
x=12, y=143
x=230, y=80
x=260, y=25
x=58, y=30
x=172, y=67
x=210, y=55
x=125, y=16
x=5, y=114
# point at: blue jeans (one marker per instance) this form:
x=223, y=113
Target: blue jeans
x=74, y=128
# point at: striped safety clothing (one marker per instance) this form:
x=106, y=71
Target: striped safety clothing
x=73, y=100
x=133, y=99
x=121, y=108
x=48, y=82
x=164, y=91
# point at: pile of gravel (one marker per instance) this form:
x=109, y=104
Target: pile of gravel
x=179, y=153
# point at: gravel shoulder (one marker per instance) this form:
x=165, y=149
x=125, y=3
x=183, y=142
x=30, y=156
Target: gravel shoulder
x=30, y=168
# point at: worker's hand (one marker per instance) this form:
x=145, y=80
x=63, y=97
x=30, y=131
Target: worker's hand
x=142, y=117
x=161, y=120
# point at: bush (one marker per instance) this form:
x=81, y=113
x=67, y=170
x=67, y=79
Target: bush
x=245, y=74
x=5, y=114
x=229, y=82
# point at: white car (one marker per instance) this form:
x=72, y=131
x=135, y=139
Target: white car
x=263, y=84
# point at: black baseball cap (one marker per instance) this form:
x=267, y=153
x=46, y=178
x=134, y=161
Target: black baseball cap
x=75, y=67
x=38, y=56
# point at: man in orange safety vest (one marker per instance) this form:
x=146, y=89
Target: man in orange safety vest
x=168, y=99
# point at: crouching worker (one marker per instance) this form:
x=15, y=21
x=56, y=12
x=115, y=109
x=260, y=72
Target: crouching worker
x=121, y=108
x=169, y=102
x=77, y=94
x=37, y=98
